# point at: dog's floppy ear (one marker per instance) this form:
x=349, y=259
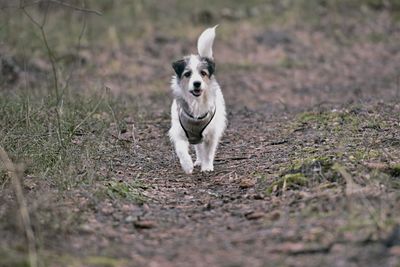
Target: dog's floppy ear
x=210, y=65
x=205, y=42
x=179, y=66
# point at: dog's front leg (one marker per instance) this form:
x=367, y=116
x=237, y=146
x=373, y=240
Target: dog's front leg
x=182, y=150
x=199, y=154
x=209, y=148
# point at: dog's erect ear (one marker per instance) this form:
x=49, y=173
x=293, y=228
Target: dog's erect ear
x=179, y=66
x=205, y=42
x=210, y=65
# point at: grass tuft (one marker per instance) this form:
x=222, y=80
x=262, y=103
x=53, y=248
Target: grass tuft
x=30, y=135
x=288, y=181
x=128, y=191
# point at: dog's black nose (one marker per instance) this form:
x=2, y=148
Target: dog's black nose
x=196, y=84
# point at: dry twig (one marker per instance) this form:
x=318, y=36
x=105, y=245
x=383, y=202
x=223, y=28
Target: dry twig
x=82, y=9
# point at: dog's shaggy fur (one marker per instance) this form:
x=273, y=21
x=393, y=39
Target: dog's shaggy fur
x=197, y=96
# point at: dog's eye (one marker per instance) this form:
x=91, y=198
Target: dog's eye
x=203, y=73
x=187, y=74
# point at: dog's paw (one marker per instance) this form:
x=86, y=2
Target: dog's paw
x=197, y=163
x=187, y=166
x=188, y=170
x=207, y=168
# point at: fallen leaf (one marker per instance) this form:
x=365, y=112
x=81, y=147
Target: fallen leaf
x=246, y=183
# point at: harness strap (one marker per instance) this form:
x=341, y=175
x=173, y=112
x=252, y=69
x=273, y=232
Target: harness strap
x=194, y=127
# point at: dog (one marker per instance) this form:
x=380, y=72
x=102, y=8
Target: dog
x=198, y=115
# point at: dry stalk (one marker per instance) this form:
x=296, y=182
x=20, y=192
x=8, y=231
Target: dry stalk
x=12, y=170
x=52, y=60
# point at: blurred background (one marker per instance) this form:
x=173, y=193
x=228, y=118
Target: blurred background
x=269, y=53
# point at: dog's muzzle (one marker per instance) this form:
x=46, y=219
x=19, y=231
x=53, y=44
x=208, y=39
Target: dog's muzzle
x=196, y=92
x=197, y=89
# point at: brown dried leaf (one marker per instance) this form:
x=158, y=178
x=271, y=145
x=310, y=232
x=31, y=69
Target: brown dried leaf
x=246, y=183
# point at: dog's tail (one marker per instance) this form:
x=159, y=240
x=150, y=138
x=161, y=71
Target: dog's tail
x=205, y=42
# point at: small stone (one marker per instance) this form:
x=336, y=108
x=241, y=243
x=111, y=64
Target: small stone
x=86, y=228
x=129, y=219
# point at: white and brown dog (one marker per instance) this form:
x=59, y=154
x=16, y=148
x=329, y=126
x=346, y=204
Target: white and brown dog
x=198, y=114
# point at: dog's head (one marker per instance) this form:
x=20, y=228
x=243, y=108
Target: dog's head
x=195, y=72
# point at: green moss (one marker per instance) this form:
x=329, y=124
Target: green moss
x=363, y=154
x=303, y=172
x=288, y=181
x=338, y=117
x=308, y=116
x=309, y=165
x=125, y=190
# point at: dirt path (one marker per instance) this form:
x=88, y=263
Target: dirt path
x=247, y=212
x=228, y=218
x=298, y=121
